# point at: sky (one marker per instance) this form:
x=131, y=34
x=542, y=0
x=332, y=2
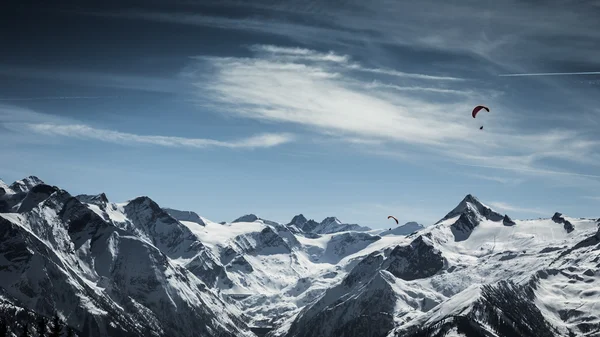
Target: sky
x=346, y=108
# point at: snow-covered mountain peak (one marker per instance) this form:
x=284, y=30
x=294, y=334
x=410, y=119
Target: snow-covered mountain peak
x=467, y=215
x=25, y=184
x=36, y=195
x=298, y=221
x=13, y=196
x=246, y=218
x=99, y=200
x=470, y=204
x=331, y=220
x=329, y=225
x=146, y=202
x=185, y=216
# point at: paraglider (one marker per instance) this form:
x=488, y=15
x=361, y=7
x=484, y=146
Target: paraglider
x=393, y=217
x=477, y=109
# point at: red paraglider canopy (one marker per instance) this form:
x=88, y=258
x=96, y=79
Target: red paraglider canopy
x=477, y=108
x=393, y=217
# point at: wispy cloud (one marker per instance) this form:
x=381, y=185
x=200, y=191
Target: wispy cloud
x=512, y=208
x=86, y=132
x=498, y=179
x=303, y=54
x=323, y=97
x=552, y=74
x=535, y=170
x=376, y=84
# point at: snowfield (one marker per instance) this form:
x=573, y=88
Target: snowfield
x=136, y=269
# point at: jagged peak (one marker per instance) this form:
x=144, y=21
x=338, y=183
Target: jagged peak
x=32, y=180
x=90, y=198
x=298, y=220
x=38, y=194
x=331, y=219
x=25, y=184
x=140, y=199
x=470, y=199
x=148, y=202
x=468, y=204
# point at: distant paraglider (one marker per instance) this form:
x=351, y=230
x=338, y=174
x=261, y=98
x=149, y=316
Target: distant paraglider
x=476, y=111
x=393, y=217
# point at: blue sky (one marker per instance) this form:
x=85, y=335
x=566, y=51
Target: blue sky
x=343, y=108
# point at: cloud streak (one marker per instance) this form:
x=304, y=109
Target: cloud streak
x=511, y=208
x=304, y=54
x=501, y=180
x=86, y=132
x=553, y=74
x=535, y=170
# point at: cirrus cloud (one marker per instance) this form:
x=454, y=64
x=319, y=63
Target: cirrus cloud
x=86, y=132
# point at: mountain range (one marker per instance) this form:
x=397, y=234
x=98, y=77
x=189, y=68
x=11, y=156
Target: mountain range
x=138, y=269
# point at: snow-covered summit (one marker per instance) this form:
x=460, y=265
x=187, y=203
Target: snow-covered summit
x=329, y=225
x=25, y=184
x=467, y=215
x=185, y=216
x=246, y=218
x=13, y=196
x=100, y=200
x=470, y=205
x=298, y=221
